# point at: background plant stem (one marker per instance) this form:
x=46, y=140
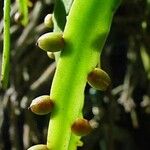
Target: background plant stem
x=6, y=46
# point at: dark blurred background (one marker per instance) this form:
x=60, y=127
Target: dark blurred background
x=121, y=115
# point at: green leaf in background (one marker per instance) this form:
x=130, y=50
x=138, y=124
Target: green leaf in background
x=23, y=10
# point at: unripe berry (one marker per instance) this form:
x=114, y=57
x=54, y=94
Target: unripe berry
x=51, y=55
x=42, y=105
x=48, y=22
x=38, y=147
x=81, y=127
x=51, y=42
x=18, y=17
x=99, y=79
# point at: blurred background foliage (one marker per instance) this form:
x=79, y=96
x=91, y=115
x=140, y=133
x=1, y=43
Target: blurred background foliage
x=121, y=115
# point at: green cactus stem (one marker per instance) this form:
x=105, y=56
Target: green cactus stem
x=87, y=27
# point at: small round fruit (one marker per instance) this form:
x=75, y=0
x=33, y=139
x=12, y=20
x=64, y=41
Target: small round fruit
x=99, y=79
x=38, y=147
x=51, y=42
x=51, y=55
x=17, y=17
x=48, y=22
x=42, y=105
x=81, y=127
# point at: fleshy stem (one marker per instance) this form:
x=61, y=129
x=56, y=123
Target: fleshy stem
x=6, y=46
x=87, y=27
x=23, y=10
x=59, y=18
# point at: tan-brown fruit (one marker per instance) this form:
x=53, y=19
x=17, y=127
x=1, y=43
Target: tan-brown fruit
x=48, y=22
x=51, y=42
x=81, y=127
x=99, y=79
x=38, y=147
x=42, y=105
